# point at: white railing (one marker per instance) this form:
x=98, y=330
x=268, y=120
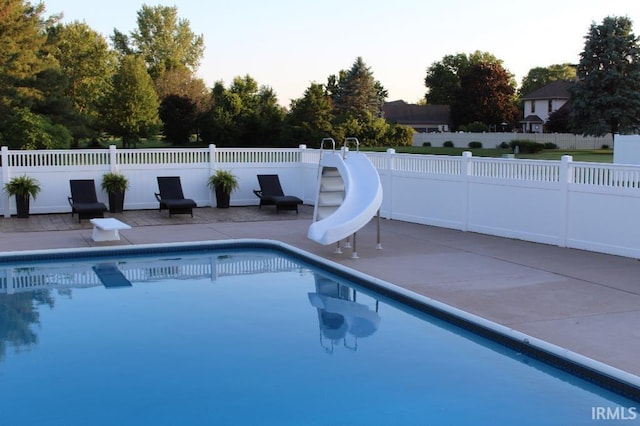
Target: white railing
x=243, y=155
x=162, y=156
x=531, y=170
x=429, y=164
x=571, y=204
x=603, y=175
x=56, y=158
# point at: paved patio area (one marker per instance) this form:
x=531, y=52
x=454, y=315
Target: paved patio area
x=586, y=302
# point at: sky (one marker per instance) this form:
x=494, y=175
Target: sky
x=289, y=44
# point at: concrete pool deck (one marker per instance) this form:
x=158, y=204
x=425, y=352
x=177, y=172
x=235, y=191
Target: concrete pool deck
x=586, y=302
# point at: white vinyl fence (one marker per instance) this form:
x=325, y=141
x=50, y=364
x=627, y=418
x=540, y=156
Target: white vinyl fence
x=494, y=139
x=589, y=206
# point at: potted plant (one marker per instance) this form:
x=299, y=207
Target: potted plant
x=224, y=183
x=23, y=188
x=115, y=185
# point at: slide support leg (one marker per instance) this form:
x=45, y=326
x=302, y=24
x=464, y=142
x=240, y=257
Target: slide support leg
x=354, y=253
x=379, y=245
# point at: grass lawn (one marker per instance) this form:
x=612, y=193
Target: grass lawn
x=595, y=155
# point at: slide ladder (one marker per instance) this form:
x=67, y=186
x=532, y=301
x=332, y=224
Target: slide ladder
x=331, y=192
x=349, y=194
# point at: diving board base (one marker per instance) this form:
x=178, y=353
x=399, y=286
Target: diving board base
x=107, y=229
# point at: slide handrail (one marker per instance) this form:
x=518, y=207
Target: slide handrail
x=345, y=145
x=333, y=144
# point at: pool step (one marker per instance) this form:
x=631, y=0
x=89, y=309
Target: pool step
x=331, y=193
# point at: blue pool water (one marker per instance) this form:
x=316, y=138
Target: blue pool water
x=253, y=337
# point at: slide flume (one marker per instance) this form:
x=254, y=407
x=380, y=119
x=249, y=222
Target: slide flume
x=362, y=198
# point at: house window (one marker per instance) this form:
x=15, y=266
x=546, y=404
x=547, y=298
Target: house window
x=550, y=106
x=533, y=107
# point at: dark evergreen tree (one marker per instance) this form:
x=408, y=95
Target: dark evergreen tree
x=22, y=54
x=356, y=92
x=559, y=120
x=178, y=115
x=606, y=97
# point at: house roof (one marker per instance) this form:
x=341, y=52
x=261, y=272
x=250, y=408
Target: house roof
x=532, y=119
x=403, y=113
x=558, y=89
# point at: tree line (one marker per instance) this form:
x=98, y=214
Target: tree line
x=65, y=85
x=62, y=85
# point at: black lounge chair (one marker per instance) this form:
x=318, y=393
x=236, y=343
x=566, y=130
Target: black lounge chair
x=84, y=200
x=271, y=193
x=171, y=197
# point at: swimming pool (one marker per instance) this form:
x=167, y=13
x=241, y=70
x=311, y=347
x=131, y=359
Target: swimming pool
x=257, y=333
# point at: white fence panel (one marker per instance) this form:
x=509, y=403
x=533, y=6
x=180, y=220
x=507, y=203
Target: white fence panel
x=588, y=206
x=603, y=221
x=525, y=212
x=428, y=199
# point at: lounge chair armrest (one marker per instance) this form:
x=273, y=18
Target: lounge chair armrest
x=70, y=199
x=258, y=193
x=157, y=196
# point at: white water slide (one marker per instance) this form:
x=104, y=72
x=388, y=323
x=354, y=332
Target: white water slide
x=349, y=195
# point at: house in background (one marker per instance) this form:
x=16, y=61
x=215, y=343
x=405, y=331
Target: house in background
x=422, y=118
x=541, y=103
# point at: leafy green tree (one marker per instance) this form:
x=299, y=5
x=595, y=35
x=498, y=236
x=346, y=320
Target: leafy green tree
x=399, y=135
x=486, y=94
x=85, y=59
x=24, y=129
x=32, y=86
x=266, y=119
x=309, y=118
x=181, y=82
x=243, y=115
x=606, y=97
x=541, y=76
x=163, y=40
x=131, y=108
x=444, y=77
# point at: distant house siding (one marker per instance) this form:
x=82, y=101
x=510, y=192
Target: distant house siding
x=543, y=102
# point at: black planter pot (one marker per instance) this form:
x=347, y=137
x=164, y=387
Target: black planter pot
x=22, y=206
x=116, y=202
x=222, y=198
